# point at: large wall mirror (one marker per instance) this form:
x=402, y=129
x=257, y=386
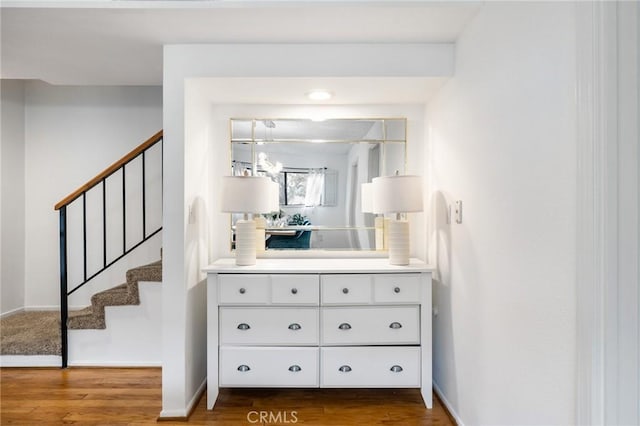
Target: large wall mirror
x=319, y=166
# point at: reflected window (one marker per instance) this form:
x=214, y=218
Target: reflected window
x=296, y=188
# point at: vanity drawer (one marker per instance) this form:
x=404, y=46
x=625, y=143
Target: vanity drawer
x=268, y=367
x=245, y=289
x=346, y=289
x=295, y=289
x=370, y=325
x=396, y=288
x=268, y=326
x=370, y=367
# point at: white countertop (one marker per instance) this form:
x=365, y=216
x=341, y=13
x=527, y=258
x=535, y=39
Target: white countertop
x=318, y=265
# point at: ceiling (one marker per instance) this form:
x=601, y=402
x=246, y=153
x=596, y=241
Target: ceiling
x=95, y=42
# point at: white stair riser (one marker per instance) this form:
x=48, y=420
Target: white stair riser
x=133, y=336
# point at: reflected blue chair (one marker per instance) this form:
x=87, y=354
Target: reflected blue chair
x=301, y=240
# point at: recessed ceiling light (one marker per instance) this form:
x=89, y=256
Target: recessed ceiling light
x=319, y=95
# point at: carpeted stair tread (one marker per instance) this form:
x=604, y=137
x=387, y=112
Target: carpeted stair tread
x=151, y=272
x=116, y=296
x=93, y=317
x=81, y=312
x=84, y=319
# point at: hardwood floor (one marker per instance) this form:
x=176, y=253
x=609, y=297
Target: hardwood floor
x=110, y=396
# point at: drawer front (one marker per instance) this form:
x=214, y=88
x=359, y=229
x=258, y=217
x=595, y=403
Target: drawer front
x=268, y=326
x=243, y=289
x=295, y=289
x=370, y=367
x=346, y=289
x=268, y=367
x=370, y=325
x=396, y=288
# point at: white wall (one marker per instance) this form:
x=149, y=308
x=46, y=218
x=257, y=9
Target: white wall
x=12, y=204
x=502, y=139
x=72, y=134
x=186, y=144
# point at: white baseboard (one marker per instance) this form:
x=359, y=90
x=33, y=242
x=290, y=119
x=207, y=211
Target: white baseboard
x=172, y=414
x=448, y=405
x=39, y=308
x=180, y=413
x=115, y=364
x=56, y=361
x=30, y=361
x=51, y=308
x=11, y=312
x=196, y=397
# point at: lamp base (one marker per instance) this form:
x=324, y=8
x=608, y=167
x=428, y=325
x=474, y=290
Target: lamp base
x=385, y=233
x=261, y=224
x=398, y=242
x=379, y=226
x=245, y=243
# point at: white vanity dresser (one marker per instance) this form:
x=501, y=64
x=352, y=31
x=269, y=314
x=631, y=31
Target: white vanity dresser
x=329, y=323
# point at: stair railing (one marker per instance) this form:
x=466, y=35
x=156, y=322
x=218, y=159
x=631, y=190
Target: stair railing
x=100, y=179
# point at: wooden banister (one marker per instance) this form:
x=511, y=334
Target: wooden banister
x=109, y=170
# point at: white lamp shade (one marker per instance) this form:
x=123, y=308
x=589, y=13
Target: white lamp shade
x=397, y=194
x=274, y=197
x=246, y=194
x=366, y=197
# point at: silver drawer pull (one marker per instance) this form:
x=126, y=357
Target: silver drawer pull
x=345, y=290
x=345, y=326
x=344, y=369
x=395, y=325
x=294, y=291
x=243, y=368
x=396, y=290
x=295, y=368
x=295, y=326
x=396, y=369
x=243, y=326
x=242, y=290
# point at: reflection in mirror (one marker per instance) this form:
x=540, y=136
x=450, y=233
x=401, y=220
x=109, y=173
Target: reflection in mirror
x=319, y=167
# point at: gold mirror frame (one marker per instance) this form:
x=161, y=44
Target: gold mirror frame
x=257, y=136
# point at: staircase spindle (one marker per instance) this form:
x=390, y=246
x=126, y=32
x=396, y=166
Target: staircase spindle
x=63, y=285
x=124, y=209
x=144, y=199
x=104, y=223
x=84, y=235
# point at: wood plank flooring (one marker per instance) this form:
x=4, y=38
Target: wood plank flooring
x=111, y=396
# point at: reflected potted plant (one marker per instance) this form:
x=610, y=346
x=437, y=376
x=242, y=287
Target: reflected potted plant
x=298, y=219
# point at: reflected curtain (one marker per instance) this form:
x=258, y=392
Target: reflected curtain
x=315, y=188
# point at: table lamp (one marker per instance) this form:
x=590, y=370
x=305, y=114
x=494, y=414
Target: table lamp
x=246, y=194
x=261, y=222
x=398, y=194
x=366, y=199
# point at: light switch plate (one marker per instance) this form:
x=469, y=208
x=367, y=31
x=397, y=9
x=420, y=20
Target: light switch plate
x=458, y=211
